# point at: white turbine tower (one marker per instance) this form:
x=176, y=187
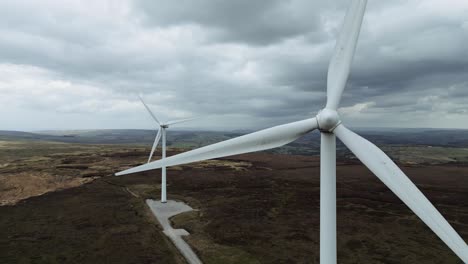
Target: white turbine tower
x=330, y=126
x=161, y=133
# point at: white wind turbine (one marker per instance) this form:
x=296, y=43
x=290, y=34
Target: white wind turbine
x=161, y=133
x=330, y=126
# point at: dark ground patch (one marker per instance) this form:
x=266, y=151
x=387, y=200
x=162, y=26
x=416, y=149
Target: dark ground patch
x=264, y=213
x=94, y=223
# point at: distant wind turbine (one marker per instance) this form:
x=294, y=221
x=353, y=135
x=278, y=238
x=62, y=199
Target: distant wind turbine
x=329, y=123
x=161, y=133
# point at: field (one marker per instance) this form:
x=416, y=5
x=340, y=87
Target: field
x=61, y=204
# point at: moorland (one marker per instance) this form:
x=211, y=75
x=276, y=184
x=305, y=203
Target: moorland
x=60, y=202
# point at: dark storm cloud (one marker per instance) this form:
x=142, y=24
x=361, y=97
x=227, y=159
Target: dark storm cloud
x=254, y=22
x=245, y=63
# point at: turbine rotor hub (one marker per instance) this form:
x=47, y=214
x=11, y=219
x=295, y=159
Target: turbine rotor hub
x=328, y=119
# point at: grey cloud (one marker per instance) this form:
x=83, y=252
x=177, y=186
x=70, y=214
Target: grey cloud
x=257, y=62
x=255, y=22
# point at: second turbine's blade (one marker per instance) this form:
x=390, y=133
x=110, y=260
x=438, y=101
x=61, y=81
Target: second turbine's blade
x=340, y=63
x=389, y=173
x=172, y=122
x=264, y=139
x=155, y=144
x=149, y=110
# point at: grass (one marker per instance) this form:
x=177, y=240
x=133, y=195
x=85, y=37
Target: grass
x=255, y=208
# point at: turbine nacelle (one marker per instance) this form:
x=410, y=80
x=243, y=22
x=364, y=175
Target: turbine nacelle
x=328, y=119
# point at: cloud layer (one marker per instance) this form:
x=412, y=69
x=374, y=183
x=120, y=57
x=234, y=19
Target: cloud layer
x=242, y=64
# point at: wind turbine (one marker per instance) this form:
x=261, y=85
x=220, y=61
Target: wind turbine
x=328, y=122
x=161, y=133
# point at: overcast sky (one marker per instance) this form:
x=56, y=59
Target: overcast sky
x=242, y=64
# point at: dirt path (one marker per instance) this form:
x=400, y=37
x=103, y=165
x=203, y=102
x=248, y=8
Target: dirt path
x=164, y=211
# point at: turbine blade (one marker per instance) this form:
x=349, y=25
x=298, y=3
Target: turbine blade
x=155, y=144
x=340, y=64
x=264, y=139
x=149, y=111
x=172, y=122
x=389, y=173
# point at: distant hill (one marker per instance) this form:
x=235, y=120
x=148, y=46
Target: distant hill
x=307, y=145
x=119, y=136
x=418, y=136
